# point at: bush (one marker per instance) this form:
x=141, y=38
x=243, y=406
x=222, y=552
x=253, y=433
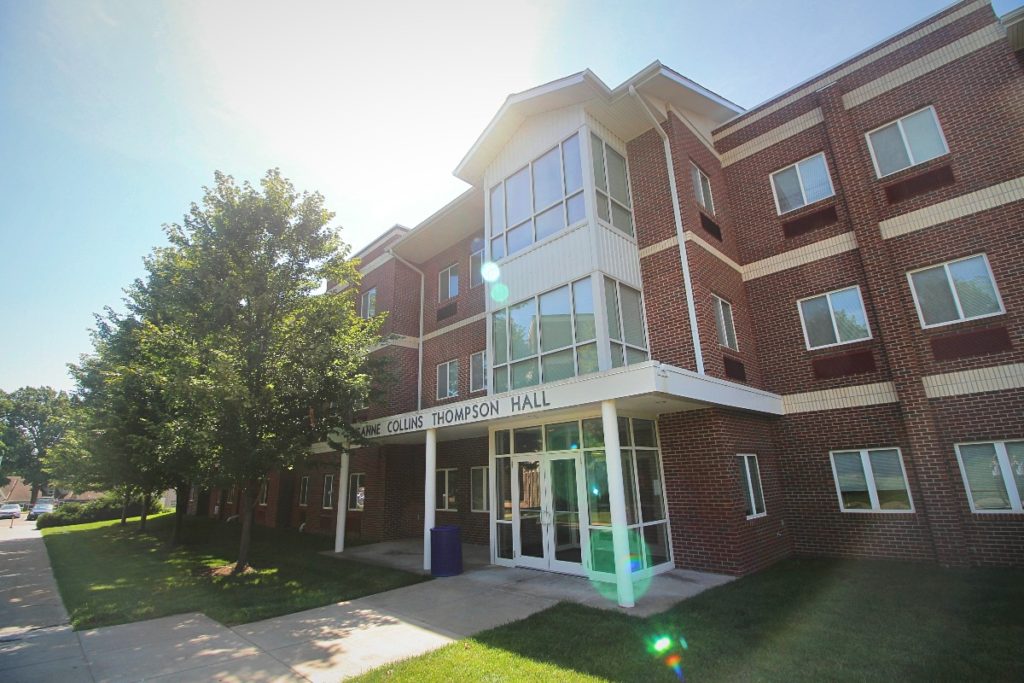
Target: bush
x=107, y=507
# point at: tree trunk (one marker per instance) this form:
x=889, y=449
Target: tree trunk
x=181, y=491
x=35, y=495
x=146, y=499
x=124, y=509
x=246, y=509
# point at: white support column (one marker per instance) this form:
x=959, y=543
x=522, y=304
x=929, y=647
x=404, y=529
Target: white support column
x=339, y=526
x=617, y=500
x=429, y=493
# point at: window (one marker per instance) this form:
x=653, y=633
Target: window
x=993, y=475
x=479, y=500
x=724, y=322
x=447, y=482
x=476, y=262
x=612, y=183
x=750, y=474
x=911, y=140
x=262, y=496
x=448, y=379
x=702, y=189
x=954, y=291
x=545, y=338
x=803, y=183
x=304, y=492
x=625, y=324
x=834, y=318
x=448, y=283
x=356, y=491
x=478, y=371
x=327, y=502
x=871, y=481
x=368, y=308
x=538, y=200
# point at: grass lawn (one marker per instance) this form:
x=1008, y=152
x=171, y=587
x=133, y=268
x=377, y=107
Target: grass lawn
x=802, y=620
x=110, y=574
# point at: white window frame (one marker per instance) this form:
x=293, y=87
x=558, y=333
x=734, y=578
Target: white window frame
x=706, y=203
x=304, y=491
x=832, y=316
x=486, y=489
x=956, y=297
x=442, y=498
x=447, y=374
x=478, y=383
x=476, y=277
x=444, y=283
x=324, y=496
x=364, y=303
x=903, y=137
x=264, y=492
x=622, y=324
x=748, y=484
x=720, y=318
x=1003, y=458
x=355, y=480
x=803, y=192
x=869, y=477
x=598, y=192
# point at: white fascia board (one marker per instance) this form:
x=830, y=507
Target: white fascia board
x=716, y=392
x=393, y=230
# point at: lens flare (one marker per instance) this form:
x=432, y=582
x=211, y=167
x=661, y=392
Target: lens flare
x=490, y=271
x=499, y=292
x=601, y=570
x=662, y=644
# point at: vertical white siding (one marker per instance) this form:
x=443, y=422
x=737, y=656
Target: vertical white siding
x=564, y=257
x=618, y=255
x=537, y=135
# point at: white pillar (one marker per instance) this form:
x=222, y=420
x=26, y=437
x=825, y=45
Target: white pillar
x=617, y=500
x=429, y=493
x=339, y=526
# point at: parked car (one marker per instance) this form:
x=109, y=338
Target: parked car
x=10, y=511
x=39, y=509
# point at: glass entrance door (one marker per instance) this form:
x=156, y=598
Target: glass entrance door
x=548, y=521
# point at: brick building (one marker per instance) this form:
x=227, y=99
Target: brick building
x=660, y=330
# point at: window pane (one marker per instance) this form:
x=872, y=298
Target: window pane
x=499, y=336
x=652, y=503
x=602, y=207
x=501, y=379
x=524, y=374
x=1015, y=451
x=520, y=237
x=498, y=209
x=573, y=166
x=745, y=480
x=503, y=487
x=517, y=193
x=849, y=314
x=597, y=489
x=611, y=305
x=442, y=381
x=602, y=551
x=502, y=442
x=498, y=248
x=583, y=304
x=528, y=440
x=453, y=281
x=726, y=327
x=617, y=184
x=547, y=180
x=890, y=485
x=576, y=209
x=814, y=175
x=787, y=189
x=755, y=485
x=635, y=356
x=890, y=153
x=593, y=433
x=477, y=372
x=934, y=296
x=632, y=317
x=656, y=543
x=476, y=485
x=551, y=221
x=974, y=287
x=453, y=378
x=586, y=359
x=598, y=153
x=558, y=366
x=709, y=202
x=922, y=131
x=643, y=431
x=818, y=321
x=453, y=487
x=504, y=540
x=476, y=260
x=622, y=218
x=853, y=486
x=629, y=487
x=984, y=477
x=555, y=319
x=698, y=190
x=563, y=437
x=617, y=360
x=523, y=329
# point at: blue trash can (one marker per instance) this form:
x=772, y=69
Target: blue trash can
x=445, y=551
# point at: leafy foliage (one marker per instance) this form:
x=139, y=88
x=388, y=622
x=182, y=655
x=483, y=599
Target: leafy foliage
x=32, y=421
x=108, y=507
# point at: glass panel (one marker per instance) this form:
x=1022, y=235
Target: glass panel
x=726, y=325
x=531, y=530
x=849, y=314
x=523, y=329
x=974, y=287
x=656, y=542
x=551, y=221
x=442, y=381
x=502, y=442
x=787, y=189
x=583, y=305
x=453, y=378
x=572, y=164
x=597, y=488
x=652, y=503
x=602, y=207
x=617, y=360
x=637, y=561
x=984, y=477
x=709, y=202
x=602, y=551
x=566, y=509
x=632, y=317
x=500, y=384
x=634, y=356
x=890, y=152
x=476, y=371
x=814, y=175
x=453, y=487
x=497, y=209
x=478, y=485
x=890, y=485
x=643, y=432
x=698, y=189
x=517, y=194
x=503, y=487
x=525, y=374
x=499, y=336
x=629, y=486
x=745, y=479
x=611, y=307
x=441, y=491
x=1015, y=451
x=618, y=186
x=755, y=485
x=853, y=486
x=504, y=540
x=564, y=436
x=498, y=248
x=556, y=366
x=818, y=321
x=528, y=440
x=576, y=209
x=922, y=131
x=547, y=180
x=593, y=433
x=625, y=439
x=555, y=320
x=476, y=261
x=586, y=359
x=520, y=237
x=597, y=146
x=622, y=219
x=934, y=296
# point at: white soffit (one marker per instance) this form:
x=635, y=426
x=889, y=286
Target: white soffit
x=455, y=221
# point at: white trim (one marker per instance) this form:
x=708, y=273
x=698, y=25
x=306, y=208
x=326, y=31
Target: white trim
x=699, y=190
x=832, y=317
x=447, y=379
x=800, y=181
x=749, y=484
x=1005, y=468
x=443, y=499
x=956, y=297
x=869, y=478
x=447, y=289
x=906, y=144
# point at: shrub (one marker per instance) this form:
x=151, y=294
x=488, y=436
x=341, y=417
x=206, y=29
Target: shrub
x=107, y=507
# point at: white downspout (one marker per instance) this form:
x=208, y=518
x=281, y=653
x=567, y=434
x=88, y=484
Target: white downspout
x=419, y=341
x=691, y=307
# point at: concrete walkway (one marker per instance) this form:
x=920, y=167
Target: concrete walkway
x=323, y=644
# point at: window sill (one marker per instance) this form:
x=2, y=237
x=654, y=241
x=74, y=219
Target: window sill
x=905, y=173
x=806, y=208
x=935, y=326
x=832, y=347
x=878, y=512
x=760, y=516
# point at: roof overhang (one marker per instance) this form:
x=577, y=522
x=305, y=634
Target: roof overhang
x=393, y=233
x=455, y=221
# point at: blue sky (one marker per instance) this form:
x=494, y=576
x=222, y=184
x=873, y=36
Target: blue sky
x=113, y=115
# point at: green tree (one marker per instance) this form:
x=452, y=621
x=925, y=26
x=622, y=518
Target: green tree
x=34, y=419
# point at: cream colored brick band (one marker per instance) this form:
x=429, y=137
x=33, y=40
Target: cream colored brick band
x=402, y=340
x=871, y=57
x=773, y=137
x=658, y=247
x=951, y=209
x=798, y=257
x=455, y=326
x=698, y=240
x=930, y=62
x=996, y=378
x=838, y=399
